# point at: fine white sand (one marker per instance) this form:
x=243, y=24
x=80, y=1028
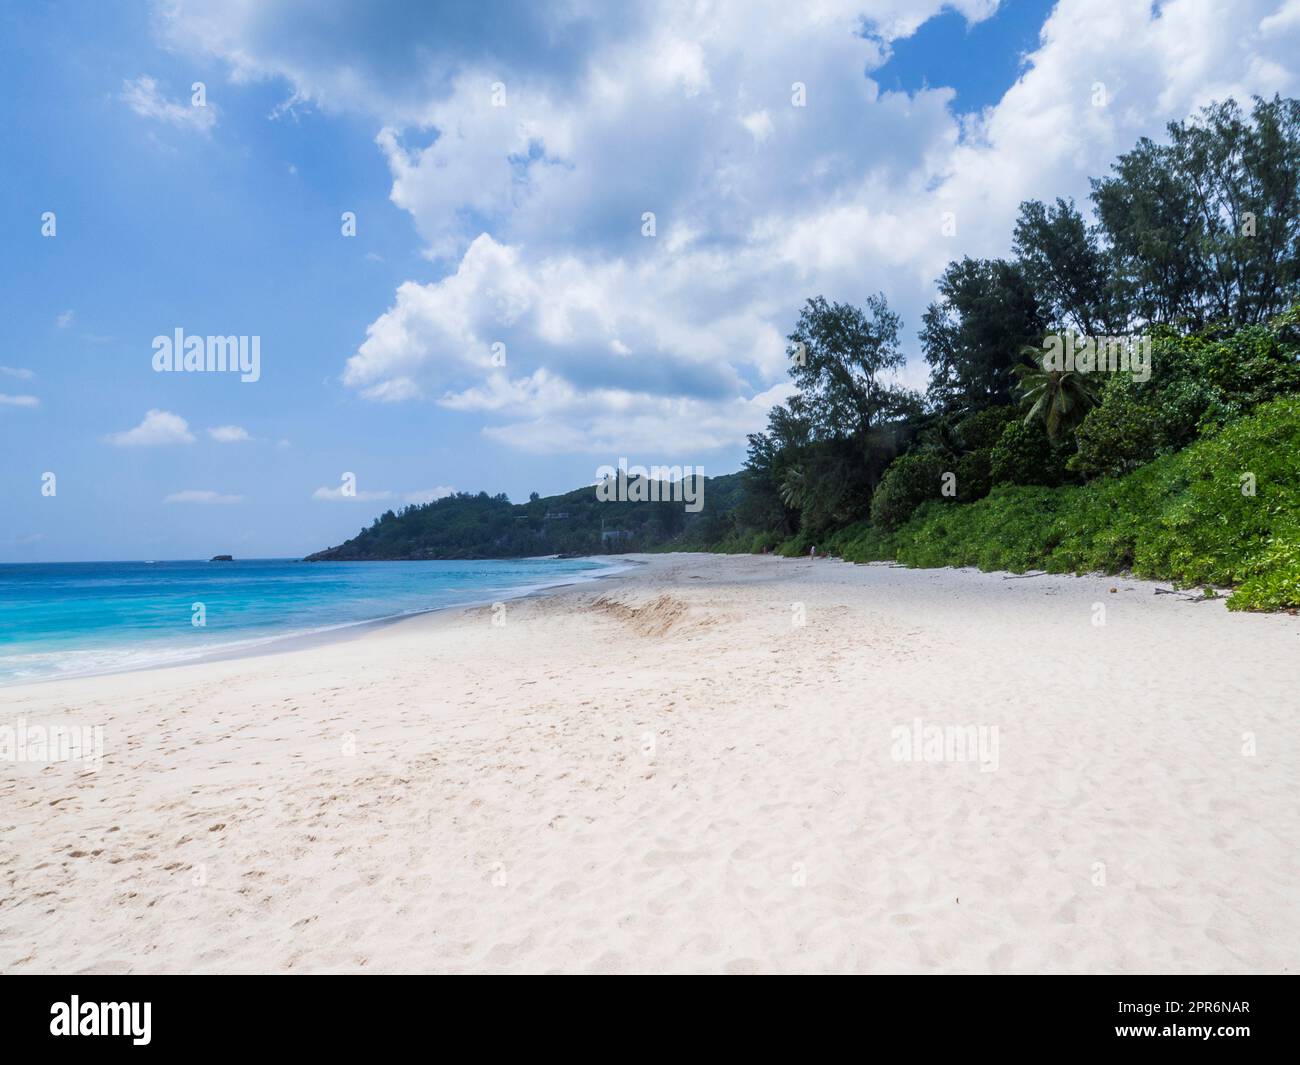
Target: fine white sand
x=663, y=771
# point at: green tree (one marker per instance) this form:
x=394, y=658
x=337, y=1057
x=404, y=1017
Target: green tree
x=1060, y=399
x=770, y=458
x=838, y=354
x=1207, y=227
x=1066, y=266
x=827, y=449
x=971, y=335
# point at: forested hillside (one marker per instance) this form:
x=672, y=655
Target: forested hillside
x=465, y=525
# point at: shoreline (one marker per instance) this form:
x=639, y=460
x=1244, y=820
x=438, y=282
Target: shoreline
x=259, y=646
x=689, y=766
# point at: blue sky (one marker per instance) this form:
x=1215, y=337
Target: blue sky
x=517, y=225
x=979, y=61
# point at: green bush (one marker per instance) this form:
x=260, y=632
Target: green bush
x=1198, y=383
x=872, y=545
x=763, y=542
x=1120, y=434
x=1276, y=581
x=1187, y=517
x=911, y=480
x=1248, y=367
x=1023, y=455
x=861, y=542
x=982, y=430
x=978, y=435
x=838, y=540
x=796, y=546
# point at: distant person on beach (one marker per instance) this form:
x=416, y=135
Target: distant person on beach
x=812, y=552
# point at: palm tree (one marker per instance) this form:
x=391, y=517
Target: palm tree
x=794, y=488
x=1058, y=398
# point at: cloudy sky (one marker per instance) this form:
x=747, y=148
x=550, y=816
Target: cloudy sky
x=503, y=318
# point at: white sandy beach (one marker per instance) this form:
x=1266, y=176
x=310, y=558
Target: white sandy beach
x=662, y=772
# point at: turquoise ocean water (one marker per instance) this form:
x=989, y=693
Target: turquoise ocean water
x=79, y=618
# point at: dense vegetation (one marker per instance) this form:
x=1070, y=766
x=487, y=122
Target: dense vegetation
x=1008, y=461
x=1190, y=473
x=465, y=525
x=1183, y=517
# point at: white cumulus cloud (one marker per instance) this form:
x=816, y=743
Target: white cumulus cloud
x=546, y=311
x=229, y=434
x=159, y=427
